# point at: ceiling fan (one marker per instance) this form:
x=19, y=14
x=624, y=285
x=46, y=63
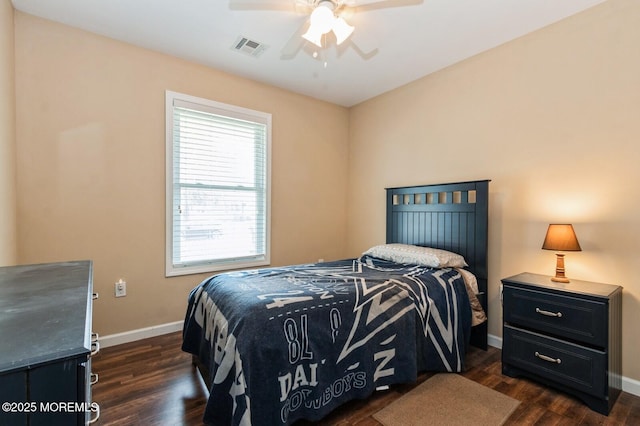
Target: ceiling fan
x=324, y=17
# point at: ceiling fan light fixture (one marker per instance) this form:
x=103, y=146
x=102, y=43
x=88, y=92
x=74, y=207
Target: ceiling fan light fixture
x=323, y=20
x=342, y=30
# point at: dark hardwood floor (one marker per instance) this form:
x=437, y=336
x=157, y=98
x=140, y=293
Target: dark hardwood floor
x=152, y=382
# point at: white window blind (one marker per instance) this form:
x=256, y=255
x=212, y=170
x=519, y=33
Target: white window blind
x=217, y=186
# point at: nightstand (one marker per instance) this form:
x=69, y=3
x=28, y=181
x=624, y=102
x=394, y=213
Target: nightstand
x=564, y=335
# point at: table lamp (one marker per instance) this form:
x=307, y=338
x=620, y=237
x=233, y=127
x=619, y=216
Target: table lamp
x=560, y=237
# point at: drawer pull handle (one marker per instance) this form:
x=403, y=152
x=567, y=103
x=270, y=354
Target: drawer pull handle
x=94, y=379
x=97, y=413
x=548, y=358
x=95, y=348
x=549, y=314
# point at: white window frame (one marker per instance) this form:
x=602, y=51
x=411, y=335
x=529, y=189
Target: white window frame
x=212, y=265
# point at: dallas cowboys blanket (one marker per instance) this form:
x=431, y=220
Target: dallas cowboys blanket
x=295, y=342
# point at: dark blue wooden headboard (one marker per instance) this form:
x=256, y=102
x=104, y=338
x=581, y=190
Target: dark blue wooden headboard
x=451, y=216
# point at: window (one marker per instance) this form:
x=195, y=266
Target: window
x=218, y=194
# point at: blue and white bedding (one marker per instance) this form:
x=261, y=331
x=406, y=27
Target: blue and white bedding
x=295, y=342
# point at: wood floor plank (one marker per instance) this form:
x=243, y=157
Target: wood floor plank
x=152, y=382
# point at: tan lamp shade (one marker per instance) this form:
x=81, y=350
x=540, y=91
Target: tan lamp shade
x=561, y=237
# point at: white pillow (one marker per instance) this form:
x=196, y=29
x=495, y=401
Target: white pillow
x=416, y=255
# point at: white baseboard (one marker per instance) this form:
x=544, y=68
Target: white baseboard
x=139, y=334
x=494, y=341
x=628, y=385
x=631, y=386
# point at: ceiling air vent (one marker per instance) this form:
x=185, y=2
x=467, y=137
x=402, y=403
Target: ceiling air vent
x=249, y=47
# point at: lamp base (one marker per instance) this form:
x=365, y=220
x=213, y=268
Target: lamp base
x=560, y=277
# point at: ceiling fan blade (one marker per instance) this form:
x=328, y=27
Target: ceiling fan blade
x=304, y=6
x=364, y=5
x=300, y=6
x=295, y=43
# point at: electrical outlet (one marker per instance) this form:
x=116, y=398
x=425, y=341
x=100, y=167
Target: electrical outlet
x=121, y=288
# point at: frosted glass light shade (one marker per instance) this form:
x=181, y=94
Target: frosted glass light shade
x=342, y=30
x=313, y=36
x=322, y=19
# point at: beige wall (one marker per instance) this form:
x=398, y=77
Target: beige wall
x=553, y=120
x=91, y=165
x=550, y=118
x=8, y=242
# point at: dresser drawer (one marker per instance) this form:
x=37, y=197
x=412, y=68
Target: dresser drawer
x=576, y=366
x=580, y=320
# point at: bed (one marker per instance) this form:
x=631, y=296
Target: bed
x=276, y=345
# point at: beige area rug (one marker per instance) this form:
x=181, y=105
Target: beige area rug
x=448, y=399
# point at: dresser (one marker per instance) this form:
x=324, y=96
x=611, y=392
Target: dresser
x=46, y=344
x=564, y=335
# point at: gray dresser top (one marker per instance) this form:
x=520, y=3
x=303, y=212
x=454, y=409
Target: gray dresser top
x=585, y=288
x=45, y=313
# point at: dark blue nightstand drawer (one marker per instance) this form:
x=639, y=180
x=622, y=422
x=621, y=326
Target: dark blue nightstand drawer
x=574, y=318
x=571, y=365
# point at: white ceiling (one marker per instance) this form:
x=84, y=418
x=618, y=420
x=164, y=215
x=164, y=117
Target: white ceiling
x=390, y=46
